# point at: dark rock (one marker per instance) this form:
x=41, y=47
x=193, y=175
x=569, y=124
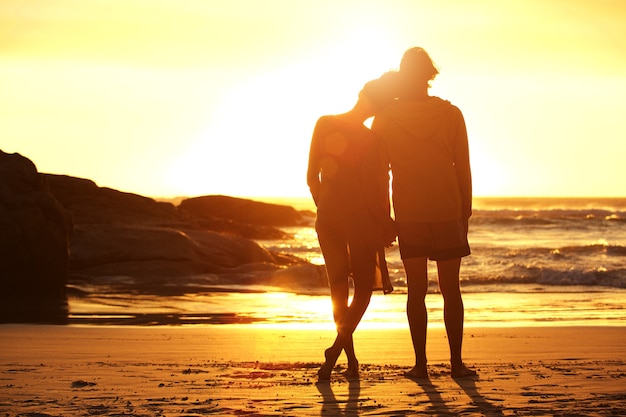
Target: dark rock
x=82, y=384
x=136, y=244
x=90, y=204
x=241, y=210
x=110, y=249
x=301, y=277
x=35, y=231
x=233, y=227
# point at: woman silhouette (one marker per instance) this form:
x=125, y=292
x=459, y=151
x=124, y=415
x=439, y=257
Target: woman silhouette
x=349, y=182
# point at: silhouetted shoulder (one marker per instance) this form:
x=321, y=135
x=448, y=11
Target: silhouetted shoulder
x=325, y=125
x=455, y=111
x=325, y=119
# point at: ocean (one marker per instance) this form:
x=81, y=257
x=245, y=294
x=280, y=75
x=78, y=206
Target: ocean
x=548, y=242
x=534, y=261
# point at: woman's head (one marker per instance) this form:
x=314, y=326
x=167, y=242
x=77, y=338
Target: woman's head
x=382, y=91
x=417, y=66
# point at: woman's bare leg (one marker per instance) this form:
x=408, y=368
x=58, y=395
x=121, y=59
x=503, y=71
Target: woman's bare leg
x=339, y=296
x=334, y=247
x=363, y=271
x=354, y=313
x=353, y=363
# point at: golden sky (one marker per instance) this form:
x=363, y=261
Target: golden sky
x=193, y=97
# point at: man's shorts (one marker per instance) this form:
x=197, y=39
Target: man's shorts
x=436, y=241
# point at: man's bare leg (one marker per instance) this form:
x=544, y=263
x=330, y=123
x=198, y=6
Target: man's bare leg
x=454, y=314
x=417, y=283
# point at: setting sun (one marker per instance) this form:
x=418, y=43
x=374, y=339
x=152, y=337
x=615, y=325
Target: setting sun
x=263, y=125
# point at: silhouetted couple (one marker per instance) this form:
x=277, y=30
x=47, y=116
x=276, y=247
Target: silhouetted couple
x=422, y=139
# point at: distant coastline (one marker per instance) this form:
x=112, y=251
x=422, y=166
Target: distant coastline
x=480, y=202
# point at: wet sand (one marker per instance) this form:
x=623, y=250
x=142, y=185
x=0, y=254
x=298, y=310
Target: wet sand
x=252, y=371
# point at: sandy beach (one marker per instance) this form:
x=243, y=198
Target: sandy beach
x=252, y=371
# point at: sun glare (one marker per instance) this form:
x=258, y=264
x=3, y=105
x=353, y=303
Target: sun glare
x=489, y=177
x=259, y=137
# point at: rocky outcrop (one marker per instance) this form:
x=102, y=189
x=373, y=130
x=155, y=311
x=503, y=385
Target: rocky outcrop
x=61, y=234
x=144, y=251
x=34, y=245
x=143, y=245
x=91, y=204
x=242, y=210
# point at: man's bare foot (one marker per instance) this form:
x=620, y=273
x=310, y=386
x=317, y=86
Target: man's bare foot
x=462, y=371
x=418, y=372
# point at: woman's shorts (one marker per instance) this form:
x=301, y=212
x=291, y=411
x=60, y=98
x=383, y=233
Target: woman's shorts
x=436, y=241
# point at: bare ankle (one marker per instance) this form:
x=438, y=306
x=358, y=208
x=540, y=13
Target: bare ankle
x=419, y=371
x=462, y=371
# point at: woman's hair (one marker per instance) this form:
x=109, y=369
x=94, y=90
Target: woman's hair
x=382, y=91
x=417, y=66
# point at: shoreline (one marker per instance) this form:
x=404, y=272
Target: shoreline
x=249, y=370
x=521, y=307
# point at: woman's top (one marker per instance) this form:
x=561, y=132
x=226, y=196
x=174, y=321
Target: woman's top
x=427, y=148
x=349, y=180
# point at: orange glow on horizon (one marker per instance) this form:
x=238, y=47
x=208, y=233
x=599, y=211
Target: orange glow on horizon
x=173, y=99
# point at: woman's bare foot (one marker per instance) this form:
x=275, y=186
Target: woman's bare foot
x=327, y=368
x=323, y=374
x=418, y=372
x=462, y=371
x=352, y=371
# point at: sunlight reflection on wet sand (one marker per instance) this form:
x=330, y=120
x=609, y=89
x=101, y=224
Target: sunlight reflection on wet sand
x=289, y=310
